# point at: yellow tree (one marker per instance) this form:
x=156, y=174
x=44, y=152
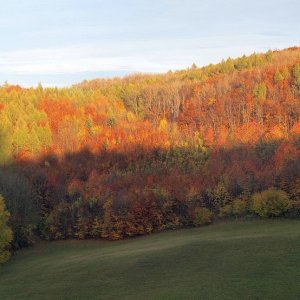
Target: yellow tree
x=5, y=232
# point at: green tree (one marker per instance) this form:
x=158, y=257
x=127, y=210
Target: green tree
x=271, y=203
x=5, y=139
x=269, y=56
x=237, y=208
x=81, y=227
x=96, y=228
x=44, y=136
x=21, y=201
x=203, y=216
x=241, y=63
x=296, y=73
x=286, y=73
x=260, y=91
x=278, y=76
x=5, y=232
x=107, y=218
x=220, y=195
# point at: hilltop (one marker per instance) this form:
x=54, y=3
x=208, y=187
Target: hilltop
x=130, y=156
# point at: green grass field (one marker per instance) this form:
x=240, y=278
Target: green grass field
x=234, y=260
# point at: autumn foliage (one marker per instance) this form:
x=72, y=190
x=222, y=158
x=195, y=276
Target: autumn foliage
x=125, y=157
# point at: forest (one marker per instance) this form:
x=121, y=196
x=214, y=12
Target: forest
x=122, y=157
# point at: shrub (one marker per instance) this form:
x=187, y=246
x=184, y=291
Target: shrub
x=294, y=211
x=226, y=211
x=5, y=232
x=271, y=203
x=23, y=236
x=237, y=208
x=203, y=216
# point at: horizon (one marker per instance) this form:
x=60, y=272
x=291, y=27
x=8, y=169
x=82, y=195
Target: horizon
x=61, y=43
x=122, y=76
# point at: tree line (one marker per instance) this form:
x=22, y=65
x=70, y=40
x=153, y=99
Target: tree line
x=125, y=157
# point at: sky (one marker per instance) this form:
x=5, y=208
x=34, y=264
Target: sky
x=62, y=42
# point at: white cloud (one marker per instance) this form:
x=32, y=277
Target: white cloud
x=72, y=60
x=158, y=55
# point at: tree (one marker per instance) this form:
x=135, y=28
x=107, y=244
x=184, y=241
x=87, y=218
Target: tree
x=260, y=91
x=271, y=203
x=96, y=228
x=237, y=208
x=21, y=201
x=296, y=73
x=5, y=232
x=269, y=56
x=278, y=76
x=203, y=216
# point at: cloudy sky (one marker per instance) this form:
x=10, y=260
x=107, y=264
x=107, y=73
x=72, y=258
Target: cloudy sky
x=60, y=42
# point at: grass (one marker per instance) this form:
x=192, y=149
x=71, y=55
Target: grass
x=233, y=260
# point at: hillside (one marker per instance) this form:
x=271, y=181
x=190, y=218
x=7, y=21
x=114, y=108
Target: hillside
x=237, y=260
x=130, y=156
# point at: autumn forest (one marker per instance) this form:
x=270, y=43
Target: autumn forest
x=123, y=157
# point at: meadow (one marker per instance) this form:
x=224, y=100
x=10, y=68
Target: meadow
x=256, y=259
